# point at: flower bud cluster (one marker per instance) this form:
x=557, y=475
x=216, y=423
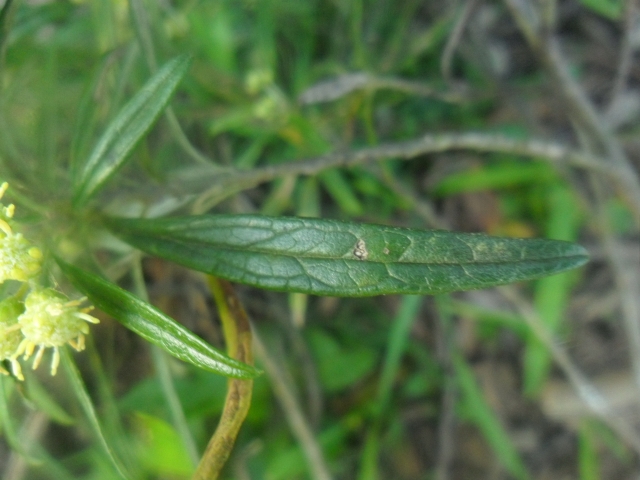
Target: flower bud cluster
x=19, y=260
x=43, y=317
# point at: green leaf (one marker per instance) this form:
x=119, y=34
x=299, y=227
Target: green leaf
x=124, y=132
x=160, y=447
x=341, y=192
x=153, y=325
x=588, y=452
x=328, y=257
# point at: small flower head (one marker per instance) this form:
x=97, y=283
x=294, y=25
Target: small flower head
x=51, y=320
x=10, y=336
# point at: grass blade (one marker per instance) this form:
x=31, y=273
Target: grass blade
x=396, y=347
x=80, y=390
x=478, y=411
x=551, y=294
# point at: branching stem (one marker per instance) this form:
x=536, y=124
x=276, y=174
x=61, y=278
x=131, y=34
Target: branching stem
x=228, y=182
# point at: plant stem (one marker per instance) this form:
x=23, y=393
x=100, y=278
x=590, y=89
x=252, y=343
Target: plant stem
x=237, y=334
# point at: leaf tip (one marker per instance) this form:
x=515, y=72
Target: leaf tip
x=578, y=253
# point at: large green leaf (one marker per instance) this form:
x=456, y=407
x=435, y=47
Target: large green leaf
x=122, y=134
x=153, y=325
x=327, y=257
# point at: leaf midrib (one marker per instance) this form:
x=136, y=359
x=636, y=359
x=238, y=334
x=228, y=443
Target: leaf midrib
x=191, y=242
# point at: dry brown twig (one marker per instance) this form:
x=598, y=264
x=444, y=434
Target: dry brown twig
x=342, y=85
x=626, y=53
x=585, y=390
x=231, y=181
x=454, y=38
x=581, y=110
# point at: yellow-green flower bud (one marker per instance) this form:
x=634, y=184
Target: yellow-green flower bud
x=6, y=213
x=10, y=336
x=51, y=320
x=19, y=259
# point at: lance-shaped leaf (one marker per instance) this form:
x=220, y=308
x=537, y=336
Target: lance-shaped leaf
x=327, y=257
x=153, y=325
x=122, y=134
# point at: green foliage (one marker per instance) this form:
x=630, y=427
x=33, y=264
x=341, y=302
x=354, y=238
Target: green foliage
x=83, y=64
x=588, y=461
x=495, y=176
x=396, y=347
x=611, y=9
x=552, y=294
x=159, y=447
x=339, y=367
x=475, y=408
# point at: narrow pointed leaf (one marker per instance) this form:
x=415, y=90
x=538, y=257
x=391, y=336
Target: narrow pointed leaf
x=153, y=325
x=327, y=257
x=124, y=132
x=80, y=390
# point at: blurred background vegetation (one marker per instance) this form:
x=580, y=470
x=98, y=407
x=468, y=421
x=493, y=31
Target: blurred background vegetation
x=493, y=384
